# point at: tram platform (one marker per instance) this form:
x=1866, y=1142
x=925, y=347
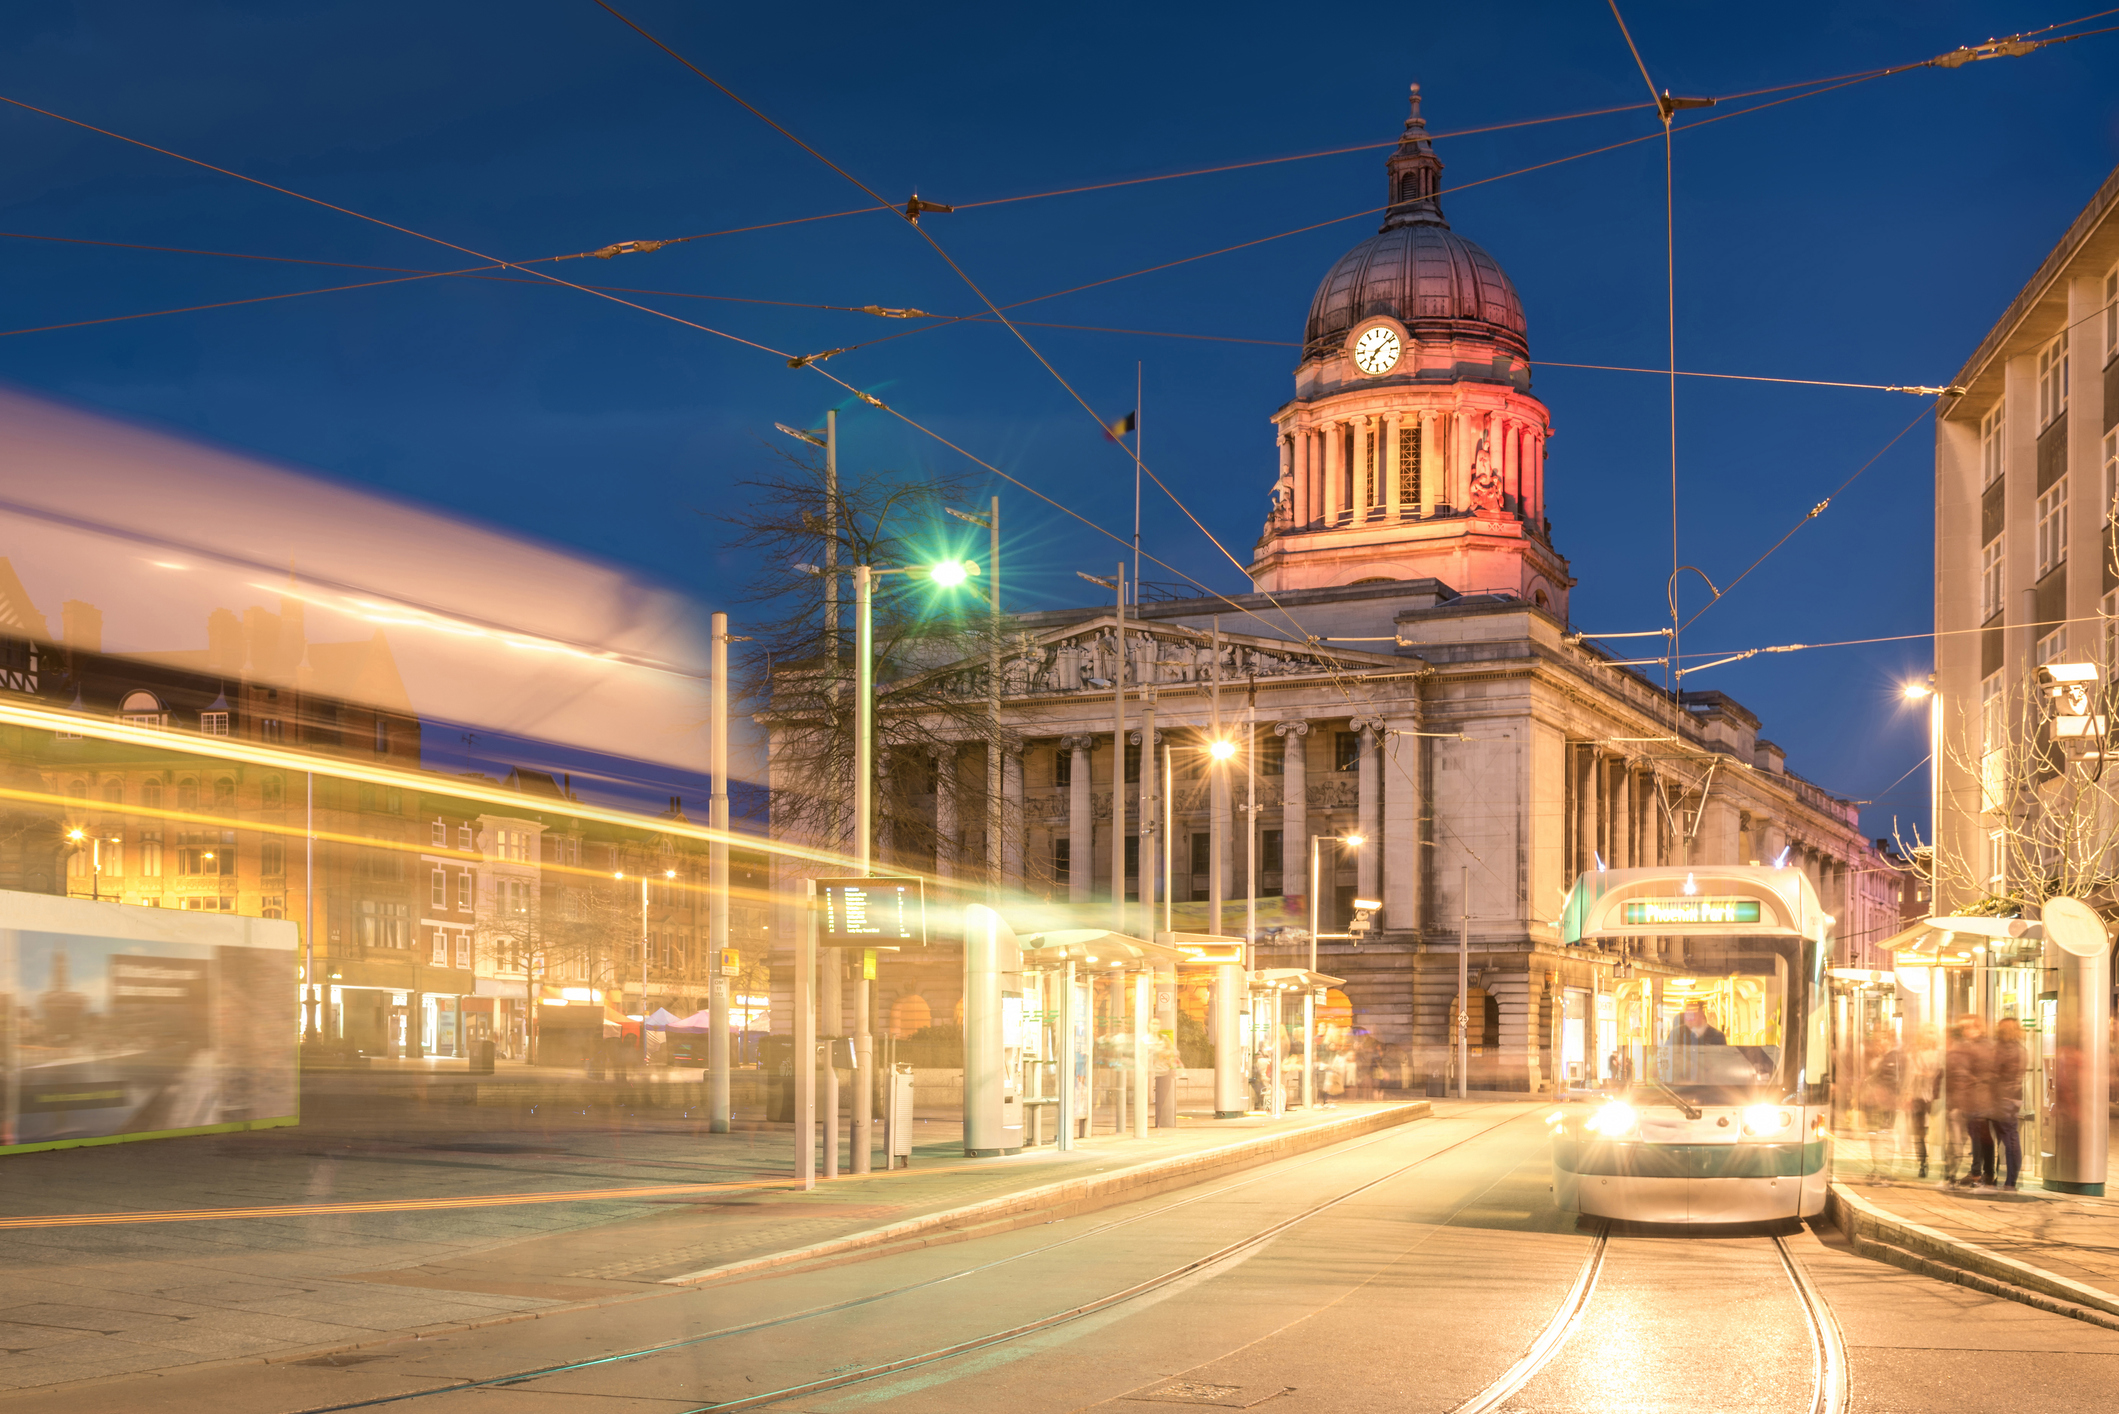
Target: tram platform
x=2055, y=1250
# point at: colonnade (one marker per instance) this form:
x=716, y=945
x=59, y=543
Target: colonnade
x=1408, y=464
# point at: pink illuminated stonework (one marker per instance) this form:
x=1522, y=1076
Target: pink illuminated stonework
x=1413, y=448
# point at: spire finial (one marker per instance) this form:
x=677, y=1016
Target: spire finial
x=1415, y=173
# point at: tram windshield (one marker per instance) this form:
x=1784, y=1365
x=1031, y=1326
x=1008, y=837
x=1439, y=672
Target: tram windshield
x=1717, y=1032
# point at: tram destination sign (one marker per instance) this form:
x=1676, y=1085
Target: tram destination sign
x=876, y=912
x=1651, y=912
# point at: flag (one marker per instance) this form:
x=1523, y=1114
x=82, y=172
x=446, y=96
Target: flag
x=1120, y=428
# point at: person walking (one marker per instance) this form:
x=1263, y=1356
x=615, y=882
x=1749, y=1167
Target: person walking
x=1923, y=1086
x=2004, y=1113
x=1883, y=1083
x=1967, y=1072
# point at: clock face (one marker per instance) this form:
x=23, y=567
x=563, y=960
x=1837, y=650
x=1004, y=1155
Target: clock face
x=1377, y=350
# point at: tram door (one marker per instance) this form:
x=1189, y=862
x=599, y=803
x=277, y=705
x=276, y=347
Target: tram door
x=1576, y=1067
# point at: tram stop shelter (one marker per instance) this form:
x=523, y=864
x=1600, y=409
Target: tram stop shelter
x=1272, y=990
x=2053, y=983
x=1090, y=1029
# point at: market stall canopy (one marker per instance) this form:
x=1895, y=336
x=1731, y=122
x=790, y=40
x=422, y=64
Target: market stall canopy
x=697, y=1021
x=661, y=1017
x=1096, y=947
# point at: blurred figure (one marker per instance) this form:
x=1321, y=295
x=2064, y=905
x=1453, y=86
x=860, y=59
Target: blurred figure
x=2009, y=1062
x=1923, y=1085
x=1967, y=1072
x=1882, y=1085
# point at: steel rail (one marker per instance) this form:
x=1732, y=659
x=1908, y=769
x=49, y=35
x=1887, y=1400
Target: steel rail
x=1831, y=1390
x=977, y=1343
x=1549, y=1341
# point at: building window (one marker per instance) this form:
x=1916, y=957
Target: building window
x=1132, y=763
x=2111, y=474
x=1202, y=853
x=1270, y=852
x=382, y=736
x=187, y=795
x=272, y=794
x=463, y=951
x=223, y=794
x=114, y=792
x=272, y=731
x=2052, y=380
x=1409, y=467
x=2052, y=528
x=463, y=891
x=2111, y=317
x=463, y=838
x=2053, y=647
x=1062, y=765
x=440, y=835
x=143, y=709
x=224, y=855
x=1133, y=856
x=151, y=794
x=1991, y=429
x=1273, y=756
x=438, y=888
x=151, y=854
x=1062, y=861
x=440, y=954
x=1346, y=750
x=272, y=857
x=2109, y=657
x=213, y=724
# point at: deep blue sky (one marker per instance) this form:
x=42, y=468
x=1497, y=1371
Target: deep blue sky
x=1868, y=235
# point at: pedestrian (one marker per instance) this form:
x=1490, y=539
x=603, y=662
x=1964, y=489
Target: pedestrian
x=1883, y=1081
x=1967, y=1069
x=1923, y=1085
x=2010, y=1060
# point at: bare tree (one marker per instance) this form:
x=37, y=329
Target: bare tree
x=2049, y=813
x=798, y=668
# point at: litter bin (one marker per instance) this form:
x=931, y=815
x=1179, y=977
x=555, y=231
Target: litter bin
x=779, y=1070
x=1438, y=1087
x=482, y=1057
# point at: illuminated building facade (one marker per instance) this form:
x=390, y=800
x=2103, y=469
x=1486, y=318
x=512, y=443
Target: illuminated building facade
x=1404, y=670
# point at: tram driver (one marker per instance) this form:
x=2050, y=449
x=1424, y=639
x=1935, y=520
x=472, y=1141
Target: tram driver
x=1694, y=1029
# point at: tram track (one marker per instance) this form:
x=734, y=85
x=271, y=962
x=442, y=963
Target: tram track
x=840, y=1380
x=1829, y=1385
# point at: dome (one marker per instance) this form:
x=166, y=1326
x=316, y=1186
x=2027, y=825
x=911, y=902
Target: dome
x=1415, y=273
x=1415, y=268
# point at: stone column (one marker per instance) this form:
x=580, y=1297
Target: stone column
x=1151, y=821
x=1334, y=474
x=1013, y=830
x=1368, y=811
x=1081, y=824
x=1537, y=476
x=1511, y=463
x=1305, y=496
x=1403, y=856
x=945, y=811
x=1430, y=460
x=1622, y=819
x=1368, y=453
x=1387, y=465
x=1294, y=814
x=1584, y=767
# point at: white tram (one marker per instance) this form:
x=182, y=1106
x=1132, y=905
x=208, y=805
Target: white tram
x=1716, y=1100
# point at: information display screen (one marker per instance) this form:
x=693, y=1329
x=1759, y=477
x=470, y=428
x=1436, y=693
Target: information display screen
x=1655, y=911
x=873, y=912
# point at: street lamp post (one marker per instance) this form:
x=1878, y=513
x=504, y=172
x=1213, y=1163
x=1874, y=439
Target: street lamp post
x=948, y=574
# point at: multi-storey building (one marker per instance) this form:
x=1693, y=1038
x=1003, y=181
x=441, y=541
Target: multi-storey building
x=1404, y=670
x=2026, y=486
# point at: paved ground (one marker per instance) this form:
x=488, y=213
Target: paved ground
x=86, y=1301
x=1436, y=1262
x=2073, y=1236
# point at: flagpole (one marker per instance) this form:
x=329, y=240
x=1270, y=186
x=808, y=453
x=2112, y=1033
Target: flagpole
x=1136, y=482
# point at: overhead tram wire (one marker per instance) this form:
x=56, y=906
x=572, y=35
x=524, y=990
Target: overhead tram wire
x=865, y=397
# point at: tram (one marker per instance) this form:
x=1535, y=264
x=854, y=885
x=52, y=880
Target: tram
x=1717, y=1103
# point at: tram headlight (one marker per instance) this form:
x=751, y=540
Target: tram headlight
x=1762, y=1120
x=1615, y=1120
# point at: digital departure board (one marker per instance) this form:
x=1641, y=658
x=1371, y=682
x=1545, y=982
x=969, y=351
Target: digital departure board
x=1651, y=911
x=872, y=913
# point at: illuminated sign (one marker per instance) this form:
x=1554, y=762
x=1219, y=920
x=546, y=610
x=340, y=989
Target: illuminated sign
x=1215, y=951
x=1650, y=912
x=873, y=912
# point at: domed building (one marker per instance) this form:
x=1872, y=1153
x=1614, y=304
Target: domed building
x=1403, y=672
x=1413, y=447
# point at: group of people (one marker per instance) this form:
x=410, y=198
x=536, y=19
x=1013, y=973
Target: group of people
x=1979, y=1078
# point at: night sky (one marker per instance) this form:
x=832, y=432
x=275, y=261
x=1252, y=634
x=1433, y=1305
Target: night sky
x=1866, y=235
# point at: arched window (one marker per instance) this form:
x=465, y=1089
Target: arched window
x=272, y=793
x=224, y=793
x=909, y=1014
x=187, y=794
x=113, y=791
x=1490, y=1029
x=78, y=790
x=143, y=708
x=151, y=794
